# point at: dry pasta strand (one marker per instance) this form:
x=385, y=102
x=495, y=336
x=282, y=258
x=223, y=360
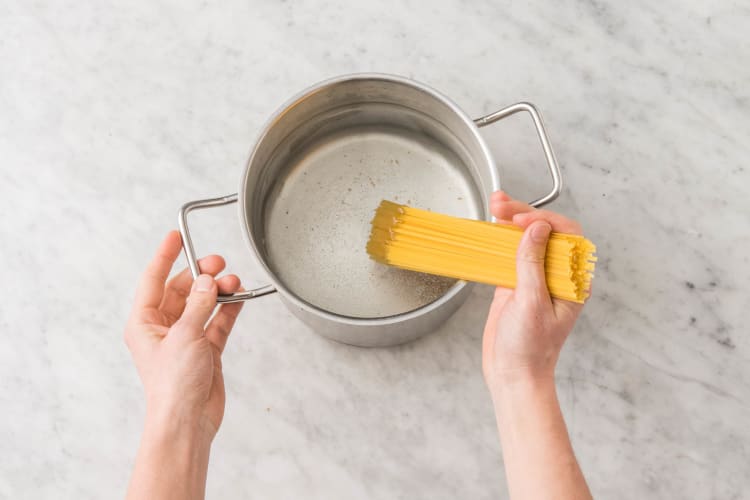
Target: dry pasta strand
x=473, y=250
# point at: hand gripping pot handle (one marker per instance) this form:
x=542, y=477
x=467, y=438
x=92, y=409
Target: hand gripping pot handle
x=187, y=244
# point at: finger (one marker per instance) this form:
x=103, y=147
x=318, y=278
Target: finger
x=505, y=210
x=223, y=321
x=151, y=286
x=500, y=195
x=198, y=308
x=178, y=288
x=228, y=284
x=559, y=223
x=503, y=207
x=531, y=283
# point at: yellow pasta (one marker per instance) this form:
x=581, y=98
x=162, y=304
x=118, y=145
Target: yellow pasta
x=473, y=250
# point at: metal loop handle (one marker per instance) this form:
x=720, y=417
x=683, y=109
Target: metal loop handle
x=549, y=155
x=187, y=244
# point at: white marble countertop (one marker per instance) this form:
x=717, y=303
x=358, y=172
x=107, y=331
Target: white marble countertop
x=113, y=114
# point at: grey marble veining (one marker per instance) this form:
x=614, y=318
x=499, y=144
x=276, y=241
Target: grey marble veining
x=112, y=114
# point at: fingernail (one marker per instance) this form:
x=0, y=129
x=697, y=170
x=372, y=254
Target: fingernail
x=204, y=283
x=540, y=232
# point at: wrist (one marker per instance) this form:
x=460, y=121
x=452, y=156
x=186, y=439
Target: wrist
x=173, y=457
x=178, y=427
x=523, y=399
x=521, y=382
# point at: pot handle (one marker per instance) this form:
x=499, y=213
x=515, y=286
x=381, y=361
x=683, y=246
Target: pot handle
x=187, y=244
x=554, y=169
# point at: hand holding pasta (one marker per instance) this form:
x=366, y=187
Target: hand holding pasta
x=526, y=328
x=525, y=331
x=475, y=250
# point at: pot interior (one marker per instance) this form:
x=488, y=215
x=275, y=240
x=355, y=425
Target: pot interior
x=325, y=171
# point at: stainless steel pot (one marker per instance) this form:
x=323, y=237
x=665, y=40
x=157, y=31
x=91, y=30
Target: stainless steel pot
x=320, y=167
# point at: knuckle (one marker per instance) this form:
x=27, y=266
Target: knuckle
x=221, y=329
x=171, y=317
x=179, y=292
x=531, y=255
x=202, y=300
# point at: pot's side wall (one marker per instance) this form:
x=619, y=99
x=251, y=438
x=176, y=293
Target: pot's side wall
x=380, y=335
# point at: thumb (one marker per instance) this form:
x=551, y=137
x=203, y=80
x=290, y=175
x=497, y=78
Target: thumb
x=200, y=304
x=530, y=277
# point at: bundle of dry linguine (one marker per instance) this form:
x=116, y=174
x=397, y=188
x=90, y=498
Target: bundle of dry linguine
x=472, y=250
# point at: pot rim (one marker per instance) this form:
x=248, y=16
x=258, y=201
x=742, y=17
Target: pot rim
x=280, y=287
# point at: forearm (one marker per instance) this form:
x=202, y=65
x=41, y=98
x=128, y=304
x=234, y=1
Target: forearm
x=172, y=460
x=538, y=456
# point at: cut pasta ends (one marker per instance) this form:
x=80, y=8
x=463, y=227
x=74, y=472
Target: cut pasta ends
x=473, y=250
